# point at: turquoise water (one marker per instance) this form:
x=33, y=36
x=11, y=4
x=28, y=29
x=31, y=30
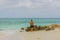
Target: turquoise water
x=17, y=23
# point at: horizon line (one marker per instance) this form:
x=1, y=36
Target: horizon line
x=43, y=18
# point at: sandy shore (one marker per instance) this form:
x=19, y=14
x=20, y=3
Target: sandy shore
x=36, y=35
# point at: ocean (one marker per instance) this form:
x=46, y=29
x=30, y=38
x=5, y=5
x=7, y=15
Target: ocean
x=18, y=23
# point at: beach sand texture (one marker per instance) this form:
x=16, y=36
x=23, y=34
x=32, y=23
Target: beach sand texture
x=36, y=35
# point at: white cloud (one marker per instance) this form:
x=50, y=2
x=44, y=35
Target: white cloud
x=32, y=3
x=29, y=3
x=2, y=2
x=24, y=4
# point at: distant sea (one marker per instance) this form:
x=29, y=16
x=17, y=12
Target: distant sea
x=18, y=23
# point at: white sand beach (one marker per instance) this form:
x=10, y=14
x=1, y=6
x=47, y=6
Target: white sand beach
x=36, y=35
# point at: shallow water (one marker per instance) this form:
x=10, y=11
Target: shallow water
x=17, y=23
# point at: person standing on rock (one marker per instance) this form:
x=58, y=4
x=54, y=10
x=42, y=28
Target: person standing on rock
x=31, y=23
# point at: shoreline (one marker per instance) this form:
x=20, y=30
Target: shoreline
x=32, y=35
x=35, y=35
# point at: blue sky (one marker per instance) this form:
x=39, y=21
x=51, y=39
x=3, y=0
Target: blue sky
x=29, y=8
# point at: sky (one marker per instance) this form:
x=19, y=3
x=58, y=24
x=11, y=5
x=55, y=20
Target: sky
x=29, y=8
